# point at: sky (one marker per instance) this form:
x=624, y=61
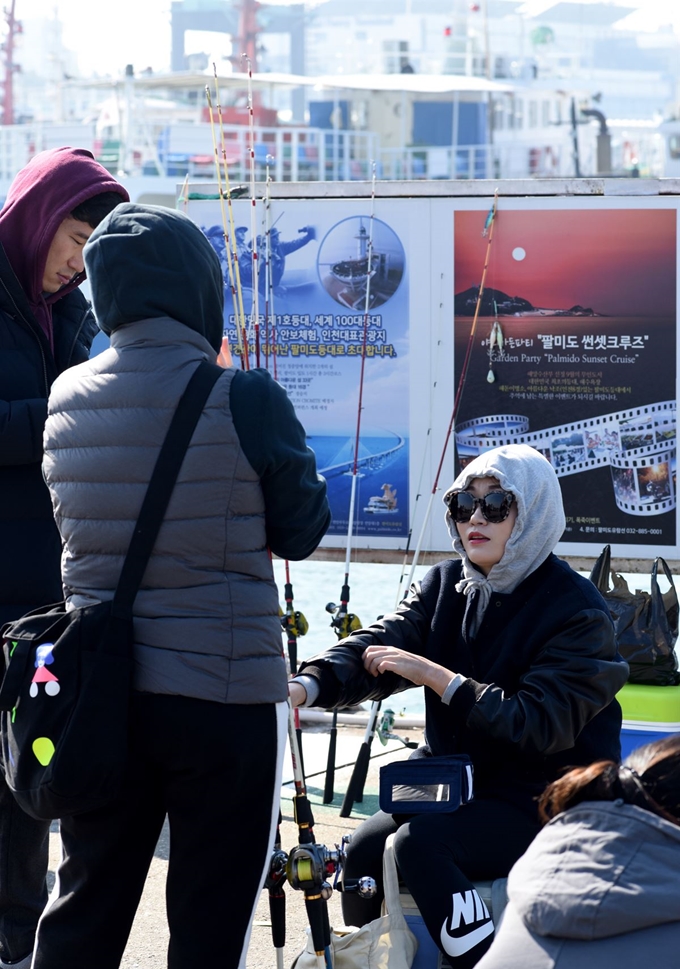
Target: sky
x=138, y=31
x=617, y=262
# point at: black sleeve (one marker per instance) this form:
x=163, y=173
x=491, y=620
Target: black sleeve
x=297, y=513
x=340, y=672
x=575, y=675
x=22, y=423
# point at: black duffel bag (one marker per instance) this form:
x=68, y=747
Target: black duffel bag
x=645, y=623
x=65, y=695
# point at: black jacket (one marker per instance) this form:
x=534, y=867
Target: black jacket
x=31, y=547
x=542, y=673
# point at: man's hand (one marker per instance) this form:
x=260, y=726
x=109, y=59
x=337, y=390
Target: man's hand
x=417, y=669
x=297, y=693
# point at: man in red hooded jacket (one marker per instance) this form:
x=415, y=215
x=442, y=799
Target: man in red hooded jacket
x=46, y=325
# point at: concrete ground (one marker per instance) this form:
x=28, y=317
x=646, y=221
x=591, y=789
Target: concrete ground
x=149, y=937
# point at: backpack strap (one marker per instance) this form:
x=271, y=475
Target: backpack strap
x=161, y=486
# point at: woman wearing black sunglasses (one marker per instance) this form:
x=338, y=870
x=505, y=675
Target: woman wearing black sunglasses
x=517, y=656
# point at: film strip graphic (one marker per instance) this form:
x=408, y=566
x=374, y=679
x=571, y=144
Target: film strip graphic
x=639, y=446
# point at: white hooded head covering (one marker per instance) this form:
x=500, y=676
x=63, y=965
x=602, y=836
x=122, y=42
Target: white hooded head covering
x=540, y=522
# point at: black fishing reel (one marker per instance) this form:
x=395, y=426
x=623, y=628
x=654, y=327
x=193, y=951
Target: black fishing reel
x=307, y=869
x=309, y=866
x=385, y=731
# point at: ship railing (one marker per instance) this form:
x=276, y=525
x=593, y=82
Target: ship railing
x=20, y=142
x=293, y=154
x=473, y=161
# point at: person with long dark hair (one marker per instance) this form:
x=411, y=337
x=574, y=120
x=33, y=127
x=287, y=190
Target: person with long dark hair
x=517, y=655
x=599, y=885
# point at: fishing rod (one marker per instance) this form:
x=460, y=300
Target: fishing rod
x=253, y=221
x=274, y=883
x=267, y=260
x=293, y=622
x=307, y=868
x=225, y=230
x=294, y=625
x=357, y=782
x=488, y=230
x=343, y=621
x=237, y=297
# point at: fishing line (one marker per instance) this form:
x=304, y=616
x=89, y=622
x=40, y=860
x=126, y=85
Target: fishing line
x=426, y=447
x=255, y=319
x=488, y=229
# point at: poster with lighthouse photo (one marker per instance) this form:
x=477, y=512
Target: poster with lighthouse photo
x=332, y=299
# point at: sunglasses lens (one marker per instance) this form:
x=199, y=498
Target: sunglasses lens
x=462, y=507
x=496, y=506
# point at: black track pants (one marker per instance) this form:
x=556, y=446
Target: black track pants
x=439, y=856
x=215, y=771
x=23, y=867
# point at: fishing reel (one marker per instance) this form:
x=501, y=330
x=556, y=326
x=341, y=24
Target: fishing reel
x=344, y=623
x=309, y=866
x=307, y=869
x=385, y=731
x=293, y=623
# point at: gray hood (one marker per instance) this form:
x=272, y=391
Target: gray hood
x=600, y=869
x=148, y=262
x=538, y=528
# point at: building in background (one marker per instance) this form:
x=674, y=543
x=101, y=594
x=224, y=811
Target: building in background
x=423, y=88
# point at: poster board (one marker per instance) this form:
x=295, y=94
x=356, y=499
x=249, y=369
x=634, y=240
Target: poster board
x=584, y=293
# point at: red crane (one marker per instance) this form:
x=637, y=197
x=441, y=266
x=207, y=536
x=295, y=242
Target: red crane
x=13, y=28
x=248, y=29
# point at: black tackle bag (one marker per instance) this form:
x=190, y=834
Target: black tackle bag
x=645, y=623
x=65, y=696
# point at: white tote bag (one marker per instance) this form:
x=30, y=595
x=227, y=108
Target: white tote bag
x=385, y=943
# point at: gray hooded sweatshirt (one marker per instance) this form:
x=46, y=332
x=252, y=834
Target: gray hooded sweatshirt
x=598, y=888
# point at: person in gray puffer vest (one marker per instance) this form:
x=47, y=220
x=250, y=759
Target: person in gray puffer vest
x=210, y=703
x=598, y=887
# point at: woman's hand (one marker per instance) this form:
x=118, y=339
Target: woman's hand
x=297, y=693
x=417, y=669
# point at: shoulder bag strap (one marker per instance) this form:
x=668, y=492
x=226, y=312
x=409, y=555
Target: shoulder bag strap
x=161, y=486
x=668, y=598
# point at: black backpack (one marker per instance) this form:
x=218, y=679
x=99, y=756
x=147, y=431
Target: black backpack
x=65, y=695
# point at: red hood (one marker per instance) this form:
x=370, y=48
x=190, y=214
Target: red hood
x=41, y=196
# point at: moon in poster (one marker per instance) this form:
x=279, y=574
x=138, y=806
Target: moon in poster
x=518, y=253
